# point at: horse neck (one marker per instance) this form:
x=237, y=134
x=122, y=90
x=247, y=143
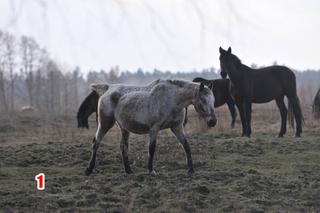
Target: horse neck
x=236, y=74
x=184, y=96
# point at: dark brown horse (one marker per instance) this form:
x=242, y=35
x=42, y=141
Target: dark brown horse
x=316, y=105
x=263, y=85
x=220, y=90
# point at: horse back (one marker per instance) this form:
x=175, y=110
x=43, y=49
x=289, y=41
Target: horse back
x=270, y=82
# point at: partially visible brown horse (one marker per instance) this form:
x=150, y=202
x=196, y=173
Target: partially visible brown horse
x=316, y=105
x=220, y=90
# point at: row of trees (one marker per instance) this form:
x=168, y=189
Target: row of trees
x=29, y=76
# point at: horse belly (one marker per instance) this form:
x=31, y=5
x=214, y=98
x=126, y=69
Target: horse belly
x=265, y=91
x=135, y=127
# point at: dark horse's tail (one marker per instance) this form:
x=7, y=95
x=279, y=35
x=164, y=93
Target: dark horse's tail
x=87, y=107
x=316, y=106
x=295, y=112
x=291, y=111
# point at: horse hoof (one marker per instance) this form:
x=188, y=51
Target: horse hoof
x=190, y=172
x=280, y=136
x=298, y=136
x=129, y=171
x=153, y=173
x=88, y=172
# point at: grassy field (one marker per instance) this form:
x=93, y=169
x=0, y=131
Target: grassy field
x=232, y=174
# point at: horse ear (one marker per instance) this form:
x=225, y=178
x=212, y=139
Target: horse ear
x=201, y=86
x=221, y=50
x=229, y=50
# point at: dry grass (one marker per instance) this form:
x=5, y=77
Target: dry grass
x=259, y=174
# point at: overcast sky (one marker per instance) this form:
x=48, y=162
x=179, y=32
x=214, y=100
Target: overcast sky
x=169, y=34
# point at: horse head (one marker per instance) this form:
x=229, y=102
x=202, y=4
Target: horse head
x=204, y=105
x=224, y=61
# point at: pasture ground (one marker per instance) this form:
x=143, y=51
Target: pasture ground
x=232, y=174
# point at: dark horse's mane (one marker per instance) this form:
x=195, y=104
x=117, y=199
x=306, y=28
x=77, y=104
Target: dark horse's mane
x=87, y=107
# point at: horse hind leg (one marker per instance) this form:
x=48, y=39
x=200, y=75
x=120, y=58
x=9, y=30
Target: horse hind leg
x=283, y=113
x=124, y=150
x=105, y=123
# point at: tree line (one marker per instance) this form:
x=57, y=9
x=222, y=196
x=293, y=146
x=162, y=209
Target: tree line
x=29, y=76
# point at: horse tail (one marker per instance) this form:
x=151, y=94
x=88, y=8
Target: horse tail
x=185, y=117
x=295, y=112
x=99, y=88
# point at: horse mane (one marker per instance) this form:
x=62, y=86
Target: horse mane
x=178, y=83
x=235, y=59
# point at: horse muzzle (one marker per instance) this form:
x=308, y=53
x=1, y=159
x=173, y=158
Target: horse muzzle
x=212, y=122
x=223, y=74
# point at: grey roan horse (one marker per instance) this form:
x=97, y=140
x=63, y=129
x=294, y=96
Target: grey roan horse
x=148, y=112
x=249, y=86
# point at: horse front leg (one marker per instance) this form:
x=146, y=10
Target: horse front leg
x=152, y=147
x=180, y=135
x=233, y=112
x=242, y=118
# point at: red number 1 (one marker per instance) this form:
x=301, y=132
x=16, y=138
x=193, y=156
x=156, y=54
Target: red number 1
x=40, y=178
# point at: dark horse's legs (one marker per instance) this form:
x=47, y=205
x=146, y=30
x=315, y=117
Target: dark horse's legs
x=245, y=116
x=233, y=113
x=179, y=133
x=248, y=110
x=242, y=117
x=283, y=113
x=124, y=150
x=104, y=125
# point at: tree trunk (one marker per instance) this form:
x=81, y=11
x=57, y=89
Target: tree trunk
x=3, y=98
x=12, y=90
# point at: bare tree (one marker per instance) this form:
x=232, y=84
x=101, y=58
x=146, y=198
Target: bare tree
x=10, y=62
x=3, y=98
x=30, y=56
x=75, y=88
